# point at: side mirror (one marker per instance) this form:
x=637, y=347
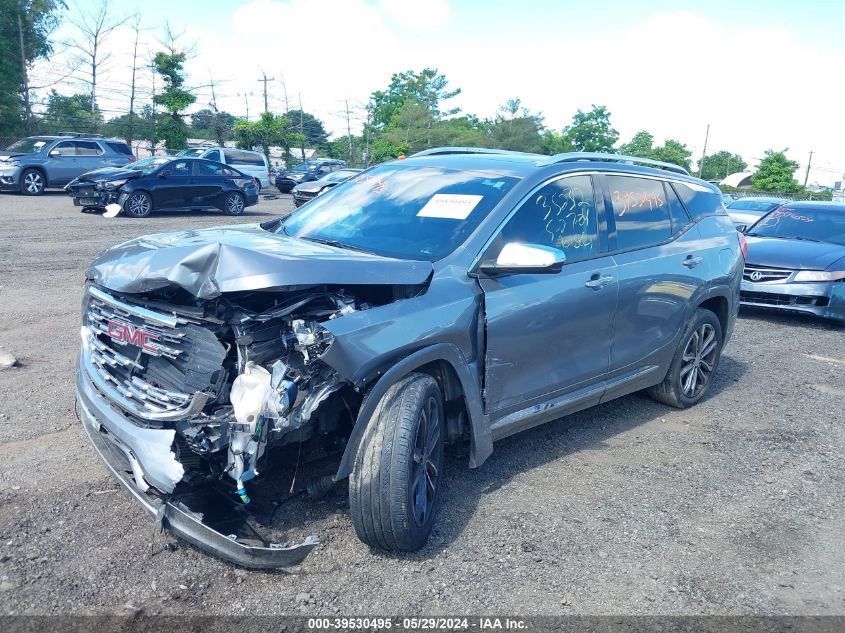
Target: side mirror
x=53, y=153
x=742, y=228
x=164, y=174
x=525, y=258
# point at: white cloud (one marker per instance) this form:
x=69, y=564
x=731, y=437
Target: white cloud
x=669, y=73
x=417, y=14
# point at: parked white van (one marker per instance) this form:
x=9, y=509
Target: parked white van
x=249, y=162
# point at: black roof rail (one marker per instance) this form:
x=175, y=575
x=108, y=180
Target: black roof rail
x=571, y=157
x=442, y=151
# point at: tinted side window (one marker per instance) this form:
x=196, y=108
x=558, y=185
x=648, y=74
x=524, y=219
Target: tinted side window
x=209, y=169
x=640, y=211
x=65, y=148
x=679, y=216
x=181, y=168
x=562, y=215
x=120, y=148
x=700, y=203
x=213, y=155
x=228, y=171
x=235, y=157
x=88, y=148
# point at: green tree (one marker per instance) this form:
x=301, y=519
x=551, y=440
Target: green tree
x=268, y=130
x=312, y=128
x=720, y=165
x=208, y=124
x=70, y=113
x=556, y=143
x=427, y=87
x=515, y=128
x=674, y=152
x=172, y=129
x=410, y=129
x=25, y=29
x=776, y=173
x=642, y=145
x=591, y=131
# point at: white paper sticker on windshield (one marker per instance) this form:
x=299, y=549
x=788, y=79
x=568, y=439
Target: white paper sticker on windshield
x=453, y=206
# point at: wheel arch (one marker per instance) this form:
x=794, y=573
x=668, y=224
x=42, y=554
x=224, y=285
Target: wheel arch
x=40, y=169
x=447, y=364
x=720, y=306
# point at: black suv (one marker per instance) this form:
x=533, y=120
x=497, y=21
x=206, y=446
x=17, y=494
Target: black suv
x=306, y=172
x=458, y=296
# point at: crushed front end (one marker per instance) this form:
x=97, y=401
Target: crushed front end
x=179, y=395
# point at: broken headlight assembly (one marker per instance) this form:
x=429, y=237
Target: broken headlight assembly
x=109, y=185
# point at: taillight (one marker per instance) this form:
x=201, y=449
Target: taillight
x=743, y=245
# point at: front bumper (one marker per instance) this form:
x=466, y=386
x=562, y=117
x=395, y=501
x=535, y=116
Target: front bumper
x=89, y=197
x=823, y=299
x=10, y=178
x=142, y=459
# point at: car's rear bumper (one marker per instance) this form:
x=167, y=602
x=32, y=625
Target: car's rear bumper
x=142, y=460
x=824, y=299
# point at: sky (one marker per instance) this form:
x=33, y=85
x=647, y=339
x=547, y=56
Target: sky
x=763, y=74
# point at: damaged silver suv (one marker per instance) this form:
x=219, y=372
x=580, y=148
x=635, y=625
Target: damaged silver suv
x=456, y=297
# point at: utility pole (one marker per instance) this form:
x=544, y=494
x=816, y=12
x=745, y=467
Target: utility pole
x=285, y=88
x=807, y=174
x=131, y=130
x=301, y=128
x=728, y=166
x=153, y=118
x=704, y=153
x=246, y=104
x=265, y=79
x=348, y=132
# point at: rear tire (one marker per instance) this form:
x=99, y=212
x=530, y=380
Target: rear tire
x=139, y=204
x=394, y=488
x=694, y=364
x=32, y=182
x=234, y=204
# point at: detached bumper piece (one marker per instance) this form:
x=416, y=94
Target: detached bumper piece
x=211, y=524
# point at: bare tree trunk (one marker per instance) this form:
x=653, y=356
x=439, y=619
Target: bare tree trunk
x=24, y=78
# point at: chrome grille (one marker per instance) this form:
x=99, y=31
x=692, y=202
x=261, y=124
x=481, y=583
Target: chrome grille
x=153, y=365
x=761, y=274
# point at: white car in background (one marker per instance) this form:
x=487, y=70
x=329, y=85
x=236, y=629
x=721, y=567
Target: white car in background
x=746, y=211
x=251, y=163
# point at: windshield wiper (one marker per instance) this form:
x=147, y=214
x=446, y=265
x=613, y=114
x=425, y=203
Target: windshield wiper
x=335, y=243
x=807, y=239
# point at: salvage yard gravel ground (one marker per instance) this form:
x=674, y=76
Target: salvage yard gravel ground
x=736, y=506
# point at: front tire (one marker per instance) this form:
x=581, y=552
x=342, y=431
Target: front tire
x=394, y=488
x=694, y=364
x=234, y=204
x=32, y=182
x=139, y=204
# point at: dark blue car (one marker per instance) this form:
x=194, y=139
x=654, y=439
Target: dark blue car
x=796, y=260
x=459, y=296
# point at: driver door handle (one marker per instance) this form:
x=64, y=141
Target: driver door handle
x=692, y=261
x=597, y=282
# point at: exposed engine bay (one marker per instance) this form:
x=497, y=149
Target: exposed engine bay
x=233, y=376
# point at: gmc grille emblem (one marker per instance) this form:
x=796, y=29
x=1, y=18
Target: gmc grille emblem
x=128, y=334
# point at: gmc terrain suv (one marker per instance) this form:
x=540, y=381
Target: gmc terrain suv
x=37, y=162
x=459, y=296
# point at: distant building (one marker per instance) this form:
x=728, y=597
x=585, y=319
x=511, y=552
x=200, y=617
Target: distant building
x=739, y=179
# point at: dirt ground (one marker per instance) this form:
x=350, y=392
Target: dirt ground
x=734, y=507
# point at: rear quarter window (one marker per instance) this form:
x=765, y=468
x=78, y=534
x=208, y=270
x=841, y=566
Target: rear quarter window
x=699, y=202
x=120, y=148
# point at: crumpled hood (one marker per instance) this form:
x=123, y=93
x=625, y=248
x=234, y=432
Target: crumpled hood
x=110, y=173
x=209, y=262
x=793, y=254
x=4, y=156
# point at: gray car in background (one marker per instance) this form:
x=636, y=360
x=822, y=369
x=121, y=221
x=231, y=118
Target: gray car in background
x=746, y=211
x=457, y=297
x=36, y=163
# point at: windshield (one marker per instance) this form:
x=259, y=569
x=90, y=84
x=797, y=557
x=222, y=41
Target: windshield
x=304, y=167
x=337, y=176
x=818, y=225
x=194, y=151
x=753, y=205
x=31, y=145
x=421, y=213
x=149, y=164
